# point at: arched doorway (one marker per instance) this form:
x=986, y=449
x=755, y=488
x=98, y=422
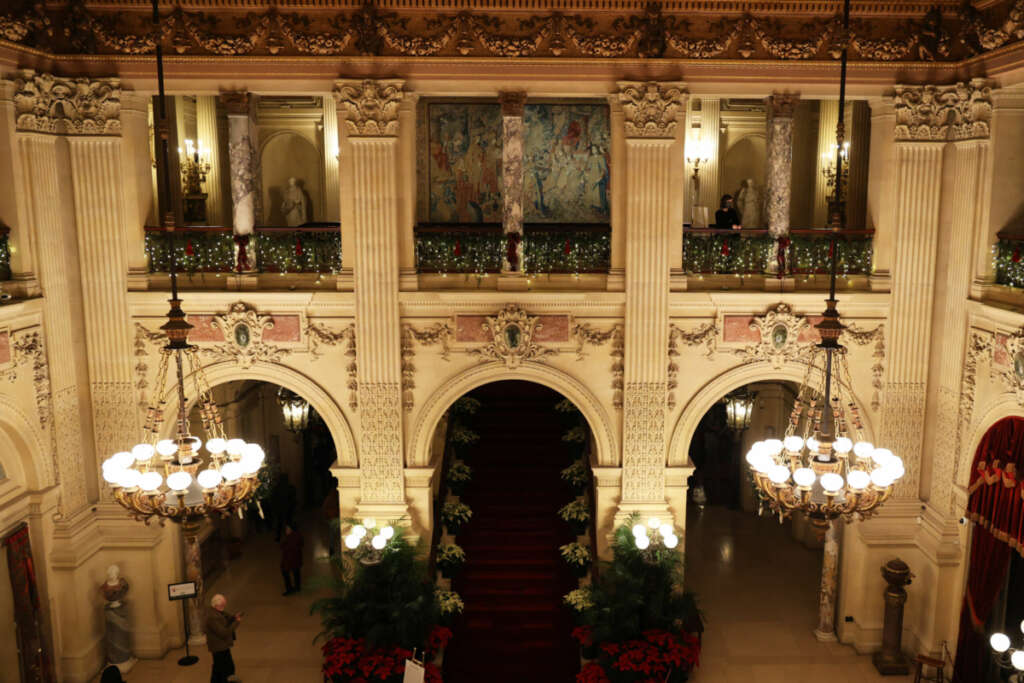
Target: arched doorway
x=515, y=625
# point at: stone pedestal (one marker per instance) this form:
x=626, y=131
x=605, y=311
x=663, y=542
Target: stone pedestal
x=890, y=660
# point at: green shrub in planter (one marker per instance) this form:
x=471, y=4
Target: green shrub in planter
x=577, y=514
x=454, y=515
x=577, y=475
x=450, y=558
x=459, y=475
x=577, y=556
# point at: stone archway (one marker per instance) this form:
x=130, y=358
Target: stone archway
x=1006, y=406
x=29, y=465
x=418, y=453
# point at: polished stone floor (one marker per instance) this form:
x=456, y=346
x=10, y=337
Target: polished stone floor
x=757, y=587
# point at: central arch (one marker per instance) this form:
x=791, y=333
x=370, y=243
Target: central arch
x=443, y=397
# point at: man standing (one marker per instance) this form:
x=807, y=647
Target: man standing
x=291, y=560
x=220, y=636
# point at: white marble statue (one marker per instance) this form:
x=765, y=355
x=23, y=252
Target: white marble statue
x=119, y=634
x=294, y=204
x=748, y=203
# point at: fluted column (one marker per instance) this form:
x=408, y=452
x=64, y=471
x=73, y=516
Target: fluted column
x=651, y=113
x=512, y=105
x=245, y=185
x=828, y=115
x=207, y=132
x=136, y=174
x=331, y=144
x=13, y=203
x=710, y=135
x=371, y=125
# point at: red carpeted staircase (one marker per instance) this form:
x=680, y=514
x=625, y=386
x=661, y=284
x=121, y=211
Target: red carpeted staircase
x=515, y=628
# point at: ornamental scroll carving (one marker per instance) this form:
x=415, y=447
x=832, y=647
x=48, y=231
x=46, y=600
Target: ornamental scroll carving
x=863, y=338
x=651, y=109
x=979, y=345
x=28, y=349
x=44, y=103
x=779, y=331
x=243, y=328
x=320, y=335
x=585, y=334
x=438, y=333
x=371, y=107
x=512, y=338
x=961, y=111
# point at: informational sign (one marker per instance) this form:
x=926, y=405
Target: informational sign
x=414, y=672
x=181, y=591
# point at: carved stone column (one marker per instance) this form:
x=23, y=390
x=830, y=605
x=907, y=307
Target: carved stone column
x=245, y=184
x=781, y=107
x=512, y=105
x=710, y=135
x=651, y=112
x=13, y=201
x=137, y=175
x=371, y=124
x=207, y=131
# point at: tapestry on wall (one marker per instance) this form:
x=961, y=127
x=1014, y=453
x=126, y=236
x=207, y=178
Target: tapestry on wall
x=464, y=165
x=565, y=155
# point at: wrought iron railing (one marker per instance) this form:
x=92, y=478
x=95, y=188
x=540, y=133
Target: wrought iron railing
x=480, y=248
x=213, y=249
x=5, y=253
x=1009, y=264
x=753, y=252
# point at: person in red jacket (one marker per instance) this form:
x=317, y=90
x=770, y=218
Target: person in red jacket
x=291, y=560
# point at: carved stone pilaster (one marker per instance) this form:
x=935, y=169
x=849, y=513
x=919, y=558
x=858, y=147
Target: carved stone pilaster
x=44, y=103
x=939, y=113
x=651, y=109
x=370, y=106
x=643, y=453
x=380, y=448
x=902, y=429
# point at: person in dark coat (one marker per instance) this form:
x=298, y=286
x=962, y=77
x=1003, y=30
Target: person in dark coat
x=291, y=560
x=726, y=217
x=111, y=675
x=220, y=637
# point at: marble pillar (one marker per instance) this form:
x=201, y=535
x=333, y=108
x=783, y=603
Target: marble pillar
x=781, y=107
x=512, y=105
x=371, y=111
x=331, y=152
x=245, y=185
x=207, y=131
x=710, y=136
x=829, y=589
x=136, y=173
x=197, y=606
x=651, y=114
x=14, y=210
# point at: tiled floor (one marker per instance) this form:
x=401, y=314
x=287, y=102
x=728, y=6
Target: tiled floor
x=758, y=590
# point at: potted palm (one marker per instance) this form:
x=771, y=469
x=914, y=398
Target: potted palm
x=577, y=514
x=454, y=514
x=450, y=558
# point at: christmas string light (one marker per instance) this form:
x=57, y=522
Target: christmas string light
x=280, y=251
x=1009, y=264
x=555, y=251
x=5, y=255
x=750, y=254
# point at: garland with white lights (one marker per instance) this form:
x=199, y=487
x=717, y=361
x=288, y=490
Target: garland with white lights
x=1008, y=263
x=5, y=255
x=277, y=251
x=744, y=253
x=544, y=251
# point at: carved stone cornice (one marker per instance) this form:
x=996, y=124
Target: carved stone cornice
x=931, y=113
x=44, y=103
x=651, y=109
x=783, y=105
x=371, y=106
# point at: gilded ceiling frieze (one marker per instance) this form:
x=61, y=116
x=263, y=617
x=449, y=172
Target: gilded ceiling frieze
x=678, y=29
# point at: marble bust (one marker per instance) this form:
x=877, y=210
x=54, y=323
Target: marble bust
x=118, y=635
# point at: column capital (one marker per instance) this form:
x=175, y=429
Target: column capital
x=782, y=105
x=237, y=102
x=939, y=113
x=370, y=106
x=651, y=108
x=512, y=102
x=44, y=103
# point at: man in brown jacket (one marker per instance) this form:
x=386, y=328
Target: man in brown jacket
x=220, y=636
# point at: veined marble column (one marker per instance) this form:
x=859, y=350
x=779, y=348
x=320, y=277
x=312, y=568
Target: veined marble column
x=245, y=200
x=13, y=203
x=512, y=105
x=206, y=131
x=651, y=113
x=781, y=107
x=371, y=123
x=710, y=136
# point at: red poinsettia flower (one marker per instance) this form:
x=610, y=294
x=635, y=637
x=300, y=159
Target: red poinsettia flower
x=583, y=635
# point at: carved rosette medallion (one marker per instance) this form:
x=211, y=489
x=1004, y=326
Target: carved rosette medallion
x=243, y=328
x=931, y=113
x=371, y=107
x=651, y=109
x=512, y=338
x=44, y=103
x=779, y=343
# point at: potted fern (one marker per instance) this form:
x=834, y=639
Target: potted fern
x=454, y=515
x=450, y=558
x=577, y=556
x=459, y=475
x=577, y=514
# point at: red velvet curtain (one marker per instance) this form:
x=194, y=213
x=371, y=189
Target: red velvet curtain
x=35, y=655
x=996, y=504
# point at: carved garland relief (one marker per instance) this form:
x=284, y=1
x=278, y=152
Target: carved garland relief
x=512, y=340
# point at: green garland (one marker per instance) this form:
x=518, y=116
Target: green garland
x=276, y=252
x=453, y=252
x=5, y=258
x=567, y=252
x=574, y=252
x=1009, y=263
x=751, y=255
x=212, y=252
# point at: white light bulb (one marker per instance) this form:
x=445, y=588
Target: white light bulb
x=666, y=530
x=387, y=532
x=639, y=530
x=793, y=443
x=764, y=464
x=858, y=479
x=251, y=463
x=128, y=478
x=370, y=523
x=671, y=541
x=1000, y=642
x=379, y=542
x=254, y=451
x=1022, y=626
x=753, y=455
x=143, y=452
x=642, y=542
x=358, y=531
x=881, y=456
x=653, y=523
x=812, y=444
x=862, y=449
x=773, y=446
x=166, y=448
x=209, y=479
x=894, y=468
x=779, y=474
x=231, y=471
x=1017, y=659
x=804, y=477
x=235, y=447
x=756, y=447
x=123, y=459
x=831, y=482
x=351, y=541
x=179, y=481
x=881, y=478
x=216, y=445
x=112, y=475
x=842, y=445
x=150, y=481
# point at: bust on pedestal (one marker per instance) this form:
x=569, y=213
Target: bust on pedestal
x=119, y=635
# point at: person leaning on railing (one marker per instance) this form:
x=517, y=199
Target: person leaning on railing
x=726, y=216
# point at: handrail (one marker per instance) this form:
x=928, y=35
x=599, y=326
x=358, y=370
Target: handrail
x=258, y=229
x=495, y=228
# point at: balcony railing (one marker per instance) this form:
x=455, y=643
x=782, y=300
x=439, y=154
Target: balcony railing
x=5, y=253
x=212, y=249
x=1009, y=263
x=752, y=252
x=480, y=248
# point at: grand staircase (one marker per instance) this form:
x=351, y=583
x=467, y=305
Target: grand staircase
x=515, y=628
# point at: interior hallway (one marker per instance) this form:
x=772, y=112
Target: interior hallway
x=275, y=640
x=758, y=589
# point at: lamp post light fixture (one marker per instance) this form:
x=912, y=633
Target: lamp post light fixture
x=1007, y=657
x=697, y=153
x=739, y=407
x=295, y=410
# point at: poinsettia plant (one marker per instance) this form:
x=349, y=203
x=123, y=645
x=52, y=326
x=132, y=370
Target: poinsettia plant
x=450, y=558
x=459, y=474
x=454, y=515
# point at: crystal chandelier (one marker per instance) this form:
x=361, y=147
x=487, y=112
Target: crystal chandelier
x=823, y=467
x=171, y=478
x=295, y=410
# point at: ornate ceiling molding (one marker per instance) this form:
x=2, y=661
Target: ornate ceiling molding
x=930, y=113
x=687, y=29
x=371, y=106
x=44, y=103
x=651, y=109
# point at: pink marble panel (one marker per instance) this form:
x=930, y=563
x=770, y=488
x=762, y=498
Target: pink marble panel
x=469, y=328
x=999, y=355
x=285, y=329
x=736, y=328
x=553, y=328
x=203, y=329
x=810, y=334
x=5, y=348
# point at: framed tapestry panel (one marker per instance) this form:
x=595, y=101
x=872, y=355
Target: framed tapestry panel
x=464, y=163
